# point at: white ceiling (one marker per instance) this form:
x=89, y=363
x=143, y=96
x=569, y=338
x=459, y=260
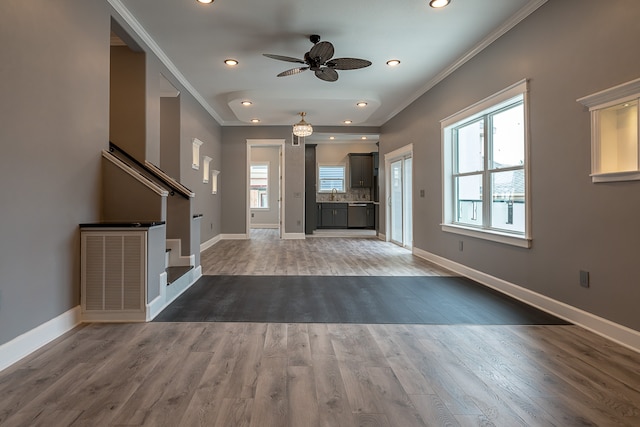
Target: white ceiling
x=194, y=39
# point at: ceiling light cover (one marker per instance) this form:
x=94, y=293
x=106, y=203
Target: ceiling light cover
x=205, y=1
x=393, y=62
x=231, y=62
x=302, y=128
x=246, y=103
x=255, y=120
x=348, y=122
x=439, y=3
x=361, y=104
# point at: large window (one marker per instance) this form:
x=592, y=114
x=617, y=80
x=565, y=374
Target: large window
x=331, y=178
x=259, y=194
x=485, y=169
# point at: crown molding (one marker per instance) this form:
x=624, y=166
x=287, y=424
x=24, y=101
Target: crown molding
x=146, y=38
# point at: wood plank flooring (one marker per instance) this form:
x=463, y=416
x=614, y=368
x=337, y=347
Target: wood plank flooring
x=266, y=374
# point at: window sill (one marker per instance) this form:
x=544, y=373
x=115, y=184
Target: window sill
x=494, y=236
x=260, y=209
x=616, y=176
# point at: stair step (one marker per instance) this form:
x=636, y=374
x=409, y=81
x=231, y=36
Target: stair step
x=174, y=273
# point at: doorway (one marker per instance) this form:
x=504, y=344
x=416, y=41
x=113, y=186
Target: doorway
x=265, y=185
x=399, y=209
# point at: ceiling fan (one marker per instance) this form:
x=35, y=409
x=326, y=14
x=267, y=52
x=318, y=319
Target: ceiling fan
x=319, y=60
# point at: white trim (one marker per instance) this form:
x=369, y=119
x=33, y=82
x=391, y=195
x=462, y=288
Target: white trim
x=487, y=41
x=492, y=235
x=209, y=243
x=238, y=236
x=620, y=334
x=265, y=226
x=134, y=174
x=612, y=96
x=280, y=143
x=616, y=176
x=142, y=33
x=25, y=344
x=175, y=257
x=293, y=236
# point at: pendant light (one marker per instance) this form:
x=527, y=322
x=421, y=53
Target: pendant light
x=302, y=128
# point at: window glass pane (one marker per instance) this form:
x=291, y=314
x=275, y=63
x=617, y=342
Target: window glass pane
x=470, y=147
x=469, y=199
x=331, y=177
x=508, y=137
x=507, y=200
x=619, y=138
x=258, y=194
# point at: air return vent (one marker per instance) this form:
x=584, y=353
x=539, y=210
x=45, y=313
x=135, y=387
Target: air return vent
x=113, y=272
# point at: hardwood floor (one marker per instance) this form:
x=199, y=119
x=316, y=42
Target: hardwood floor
x=251, y=374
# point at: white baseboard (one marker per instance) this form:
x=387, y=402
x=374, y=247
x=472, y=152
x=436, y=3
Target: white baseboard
x=382, y=237
x=615, y=332
x=234, y=236
x=30, y=341
x=293, y=236
x=265, y=225
x=209, y=243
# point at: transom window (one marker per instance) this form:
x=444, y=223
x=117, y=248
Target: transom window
x=485, y=173
x=330, y=178
x=259, y=192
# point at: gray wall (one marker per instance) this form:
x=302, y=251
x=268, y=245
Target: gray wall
x=54, y=122
x=233, y=178
x=568, y=49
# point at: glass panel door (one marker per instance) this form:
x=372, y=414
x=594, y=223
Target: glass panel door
x=406, y=195
x=396, y=203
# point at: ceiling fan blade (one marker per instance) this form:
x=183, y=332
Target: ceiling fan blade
x=292, y=71
x=327, y=74
x=322, y=51
x=348, y=63
x=284, y=58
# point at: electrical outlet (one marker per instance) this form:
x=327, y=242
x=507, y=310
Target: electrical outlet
x=584, y=279
x=421, y=193
x=460, y=246
x=252, y=214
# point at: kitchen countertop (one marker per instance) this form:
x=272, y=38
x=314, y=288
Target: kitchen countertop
x=345, y=201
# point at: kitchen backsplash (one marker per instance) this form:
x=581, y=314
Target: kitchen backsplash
x=352, y=194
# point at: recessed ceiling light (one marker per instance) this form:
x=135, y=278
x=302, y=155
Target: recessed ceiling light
x=348, y=122
x=205, y=1
x=231, y=62
x=255, y=120
x=361, y=104
x=393, y=62
x=246, y=103
x=332, y=138
x=363, y=137
x=439, y=3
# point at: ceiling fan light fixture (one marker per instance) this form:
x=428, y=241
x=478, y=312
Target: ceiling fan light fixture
x=302, y=128
x=436, y=4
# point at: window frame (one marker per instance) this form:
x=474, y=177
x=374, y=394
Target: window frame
x=491, y=105
x=344, y=177
x=267, y=191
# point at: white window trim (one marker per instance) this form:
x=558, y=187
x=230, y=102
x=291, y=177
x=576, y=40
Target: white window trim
x=268, y=164
x=469, y=113
x=344, y=177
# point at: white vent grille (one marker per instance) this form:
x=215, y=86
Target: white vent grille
x=113, y=271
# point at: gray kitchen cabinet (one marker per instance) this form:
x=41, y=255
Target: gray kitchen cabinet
x=334, y=215
x=361, y=170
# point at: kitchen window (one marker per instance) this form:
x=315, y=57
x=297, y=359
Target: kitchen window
x=485, y=169
x=331, y=177
x=259, y=193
